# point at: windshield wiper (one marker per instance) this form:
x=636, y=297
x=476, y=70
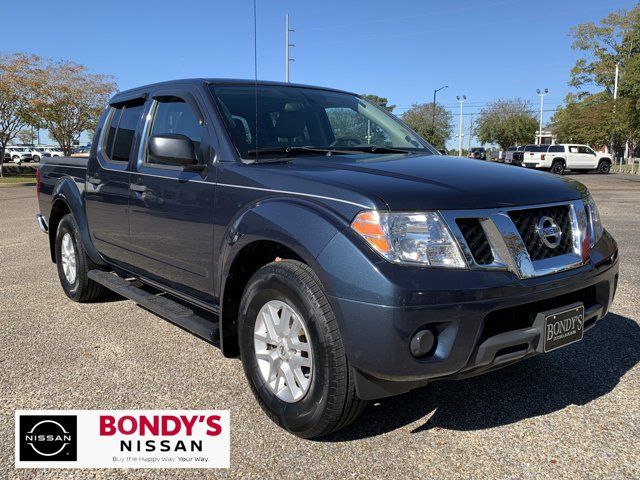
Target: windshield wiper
x=291, y=151
x=379, y=149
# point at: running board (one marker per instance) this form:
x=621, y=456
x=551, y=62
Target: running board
x=173, y=311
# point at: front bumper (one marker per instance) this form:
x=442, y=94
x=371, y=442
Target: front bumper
x=482, y=323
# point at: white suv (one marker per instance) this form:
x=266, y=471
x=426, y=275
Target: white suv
x=574, y=157
x=19, y=154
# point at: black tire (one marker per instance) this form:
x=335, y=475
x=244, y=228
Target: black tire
x=82, y=289
x=604, y=167
x=330, y=402
x=557, y=167
x=36, y=158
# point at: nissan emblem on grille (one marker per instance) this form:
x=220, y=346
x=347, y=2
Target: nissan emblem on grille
x=549, y=232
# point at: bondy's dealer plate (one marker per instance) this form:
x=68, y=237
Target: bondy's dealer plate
x=563, y=328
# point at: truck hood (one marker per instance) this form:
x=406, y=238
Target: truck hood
x=435, y=182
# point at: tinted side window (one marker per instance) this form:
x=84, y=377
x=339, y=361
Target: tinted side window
x=125, y=133
x=586, y=150
x=111, y=133
x=556, y=149
x=121, y=131
x=174, y=116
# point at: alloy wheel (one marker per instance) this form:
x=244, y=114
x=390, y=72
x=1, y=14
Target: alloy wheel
x=283, y=351
x=68, y=258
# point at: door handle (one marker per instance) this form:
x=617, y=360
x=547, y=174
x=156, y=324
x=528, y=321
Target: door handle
x=138, y=188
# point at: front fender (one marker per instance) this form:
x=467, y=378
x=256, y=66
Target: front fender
x=66, y=190
x=302, y=226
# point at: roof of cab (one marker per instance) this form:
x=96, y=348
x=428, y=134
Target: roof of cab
x=127, y=94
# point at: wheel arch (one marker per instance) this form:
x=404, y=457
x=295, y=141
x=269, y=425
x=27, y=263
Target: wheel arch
x=66, y=198
x=274, y=229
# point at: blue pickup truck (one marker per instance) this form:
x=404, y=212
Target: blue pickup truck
x=322, y=241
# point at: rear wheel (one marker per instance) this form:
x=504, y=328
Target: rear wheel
x=558, y=167
x=74, y=264
x=292, y=352
x=604, y=167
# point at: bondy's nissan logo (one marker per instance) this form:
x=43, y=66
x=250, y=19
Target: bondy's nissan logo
x=48, y=438
x=549, y=232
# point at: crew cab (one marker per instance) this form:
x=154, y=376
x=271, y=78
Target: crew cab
x=559, y=157
x=321, y=240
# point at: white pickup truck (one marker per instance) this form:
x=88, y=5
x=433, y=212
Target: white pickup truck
x=560, y=157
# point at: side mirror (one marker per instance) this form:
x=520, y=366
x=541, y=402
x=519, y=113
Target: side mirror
x=172, y=148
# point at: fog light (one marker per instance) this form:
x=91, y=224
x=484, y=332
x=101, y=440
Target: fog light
x=423, y=343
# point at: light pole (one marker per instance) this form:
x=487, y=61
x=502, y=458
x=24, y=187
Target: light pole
x=287, y=59
x=433, y=116
x=542, y=94
x=461, y=100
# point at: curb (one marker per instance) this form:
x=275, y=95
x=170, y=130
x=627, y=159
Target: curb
x=22, y=184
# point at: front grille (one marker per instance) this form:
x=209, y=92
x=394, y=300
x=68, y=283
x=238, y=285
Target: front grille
x=526, y=222
x=476, y=239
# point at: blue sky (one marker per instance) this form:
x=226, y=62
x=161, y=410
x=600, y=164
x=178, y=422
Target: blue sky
x=400, y=49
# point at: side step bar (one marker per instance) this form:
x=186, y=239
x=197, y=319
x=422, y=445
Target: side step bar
x=174, y=312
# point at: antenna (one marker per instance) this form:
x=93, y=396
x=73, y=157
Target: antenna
x=255, y=67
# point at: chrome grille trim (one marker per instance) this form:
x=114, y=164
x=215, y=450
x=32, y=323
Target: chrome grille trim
x=509, y=251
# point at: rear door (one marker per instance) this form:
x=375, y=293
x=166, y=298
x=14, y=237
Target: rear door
x=107, y=189
x=171, y=209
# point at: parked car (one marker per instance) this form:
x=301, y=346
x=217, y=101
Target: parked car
x=509, y=153
x=19, y=154
x=81, y=152
x=574, y=157
x=338, y=268
x=479, y=153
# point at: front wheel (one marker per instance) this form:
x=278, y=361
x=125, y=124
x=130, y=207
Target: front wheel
x=604, y=167
x=292, y=351
x=73, y=263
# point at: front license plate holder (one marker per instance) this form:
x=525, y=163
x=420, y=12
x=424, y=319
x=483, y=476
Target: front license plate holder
x=561, y=327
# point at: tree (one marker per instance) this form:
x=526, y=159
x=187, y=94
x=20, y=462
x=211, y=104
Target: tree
x=420, y=118
x=615, y=39
x=381, y=101
x=72, y=101
x=25, y=135
x=20, y=82
x=506, y=122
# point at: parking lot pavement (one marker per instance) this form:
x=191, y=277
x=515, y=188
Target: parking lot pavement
x=573, y=413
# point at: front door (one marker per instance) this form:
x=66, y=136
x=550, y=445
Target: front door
x=589, y=158
x=171, y=210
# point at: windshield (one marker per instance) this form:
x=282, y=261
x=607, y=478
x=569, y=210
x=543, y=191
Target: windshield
x=306, y=117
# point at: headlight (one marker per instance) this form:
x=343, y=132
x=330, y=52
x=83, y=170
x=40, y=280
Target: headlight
x=420, y=238
x=593, y=216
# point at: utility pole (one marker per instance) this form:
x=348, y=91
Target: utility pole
x=470, y=132
x=615, y=97
x=433, y=116
x=287, y=59
x=541, y=94
x=460, y=134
